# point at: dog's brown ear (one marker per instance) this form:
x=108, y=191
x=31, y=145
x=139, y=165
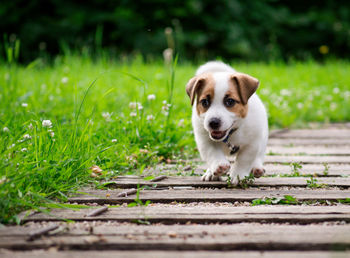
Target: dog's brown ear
x=192, y=87
x=246, y=85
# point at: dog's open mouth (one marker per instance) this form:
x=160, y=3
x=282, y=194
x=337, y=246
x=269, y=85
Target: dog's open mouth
x=217, y=135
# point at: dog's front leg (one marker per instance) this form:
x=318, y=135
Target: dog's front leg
x=213, y=155
x=243, y=164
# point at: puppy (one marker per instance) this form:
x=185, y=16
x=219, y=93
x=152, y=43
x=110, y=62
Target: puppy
x=228, y=119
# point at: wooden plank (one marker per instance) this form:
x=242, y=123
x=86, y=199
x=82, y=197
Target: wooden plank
x=171, y=214
x=313, y=134
x=271, y=169
x=308, y=159
x=308, y=150
x=182, y=254
x=308, y=141
x=197, y=237
x=307, y=169
x=171, y=181
x=207, y=195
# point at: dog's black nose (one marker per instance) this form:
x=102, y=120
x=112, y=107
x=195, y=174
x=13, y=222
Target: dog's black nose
x=214, y=123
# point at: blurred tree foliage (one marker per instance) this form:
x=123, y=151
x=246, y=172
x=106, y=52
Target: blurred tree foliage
x=249, y=30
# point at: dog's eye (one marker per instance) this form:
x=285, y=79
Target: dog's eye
x=229, y=102
x=205, y=103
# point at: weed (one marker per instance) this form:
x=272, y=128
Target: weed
x=137, y=201
x=345, y=201
x=312, y=183
x=286, y=200
x=295, y=166
x=229, y=181
x=246, y=181
x=326, y=169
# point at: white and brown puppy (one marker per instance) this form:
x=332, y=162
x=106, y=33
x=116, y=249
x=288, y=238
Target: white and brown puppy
x=228, y=119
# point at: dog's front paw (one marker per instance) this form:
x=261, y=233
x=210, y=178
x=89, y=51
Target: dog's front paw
x=221, y=168
x=209, y=176
x=258, y=172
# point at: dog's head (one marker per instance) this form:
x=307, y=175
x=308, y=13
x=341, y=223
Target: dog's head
x=221, y=100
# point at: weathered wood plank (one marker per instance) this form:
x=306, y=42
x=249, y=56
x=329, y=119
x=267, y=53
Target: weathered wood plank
x=192, y=237
x=312, y=133
x=306, y=169
x=271, y=169
x=166, y=254
x=307, y=141
x=207, y=195
x=308, y=150
x=308, y=159
x=132, y=182
x=171, y=214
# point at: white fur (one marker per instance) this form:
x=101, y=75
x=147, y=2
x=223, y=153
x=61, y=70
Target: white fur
x=251, y=135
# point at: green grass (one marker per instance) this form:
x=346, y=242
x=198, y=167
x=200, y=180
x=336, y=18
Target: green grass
x=92, y=123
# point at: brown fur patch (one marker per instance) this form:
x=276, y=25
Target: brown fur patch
x=239, y=108
x=206, y=91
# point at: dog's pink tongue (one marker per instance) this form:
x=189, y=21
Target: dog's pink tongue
x=217, y=134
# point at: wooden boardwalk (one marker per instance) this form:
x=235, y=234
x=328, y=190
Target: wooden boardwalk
x=301, y=208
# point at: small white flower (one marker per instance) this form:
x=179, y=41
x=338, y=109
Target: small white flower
x=336, y=90
x=27, y=137
x=24, y=105
x=133, y=114
x=24, y=149
x=52, y=133
x=3, y=180
x=5, y=129
x=12, y=145
x=132, y=105
x=47, y=123
x=64, y=80
x=300, y=105
x=30, y=126
x=150, y=117
x=164, y=102
x=114, y=140
x=107, y=116
x=151, y=97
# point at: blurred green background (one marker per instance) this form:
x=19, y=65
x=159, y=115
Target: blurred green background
x=253, y=30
